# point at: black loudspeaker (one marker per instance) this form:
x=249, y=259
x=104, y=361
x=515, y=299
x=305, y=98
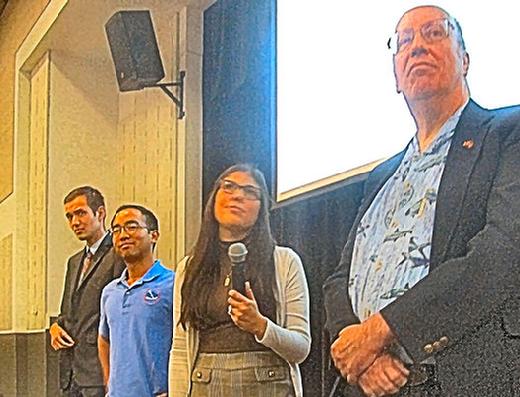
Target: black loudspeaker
x=134, y=50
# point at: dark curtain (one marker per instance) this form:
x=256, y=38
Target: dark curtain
x=317, y=227
x=238, y=87
x=238, y=117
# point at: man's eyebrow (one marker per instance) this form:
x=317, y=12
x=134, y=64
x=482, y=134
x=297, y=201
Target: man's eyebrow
x=68, y=213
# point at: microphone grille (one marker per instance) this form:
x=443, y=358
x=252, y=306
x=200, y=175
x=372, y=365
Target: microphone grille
x=237, y=252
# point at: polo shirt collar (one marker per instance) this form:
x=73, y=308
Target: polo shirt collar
x=155, y=271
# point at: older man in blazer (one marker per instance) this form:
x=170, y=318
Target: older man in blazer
x=74, y=333
x=425, y=300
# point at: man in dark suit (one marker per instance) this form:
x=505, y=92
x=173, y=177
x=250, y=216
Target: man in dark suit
x=425, y=300
x=74, y=333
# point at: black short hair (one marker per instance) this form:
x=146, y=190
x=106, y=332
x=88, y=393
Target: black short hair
x=94, y=197
x=152, y=223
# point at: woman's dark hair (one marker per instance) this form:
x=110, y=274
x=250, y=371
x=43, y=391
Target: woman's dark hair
x=203, y=268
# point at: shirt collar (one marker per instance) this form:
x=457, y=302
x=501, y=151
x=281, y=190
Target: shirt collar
x=155, y=271
x=445, y=132
x=94, y=247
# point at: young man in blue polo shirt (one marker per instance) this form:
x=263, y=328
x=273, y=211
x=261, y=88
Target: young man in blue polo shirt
x=135, y=329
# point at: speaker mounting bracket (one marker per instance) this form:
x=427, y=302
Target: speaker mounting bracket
x=179, y=101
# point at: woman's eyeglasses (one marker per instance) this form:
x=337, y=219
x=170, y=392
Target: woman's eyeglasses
x=250, y=192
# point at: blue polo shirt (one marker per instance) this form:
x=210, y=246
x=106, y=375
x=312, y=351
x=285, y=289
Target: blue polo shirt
x=137, y=321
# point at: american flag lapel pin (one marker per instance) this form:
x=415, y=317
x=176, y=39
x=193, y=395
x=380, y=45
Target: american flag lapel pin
x=468, y=144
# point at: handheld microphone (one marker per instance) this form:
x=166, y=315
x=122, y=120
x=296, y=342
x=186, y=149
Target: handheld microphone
x=237, y=253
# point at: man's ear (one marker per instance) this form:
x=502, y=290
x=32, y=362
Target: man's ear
x=465, y=63
x=101, y=213
x=155, y=235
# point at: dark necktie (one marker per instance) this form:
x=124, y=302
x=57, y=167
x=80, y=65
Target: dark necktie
x=87, y=262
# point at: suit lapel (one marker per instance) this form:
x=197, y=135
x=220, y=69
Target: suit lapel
x=75, y=264
x=462, y=156
x=376, y=179
x=380, y=176
x=100, y=253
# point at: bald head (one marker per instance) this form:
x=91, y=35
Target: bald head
x=431, y=61
x=442, y=13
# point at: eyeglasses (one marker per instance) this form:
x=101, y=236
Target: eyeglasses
x=431, y=32
x=250, y=192
x=128, y=227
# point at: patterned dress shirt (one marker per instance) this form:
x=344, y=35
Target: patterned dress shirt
x=393, y=240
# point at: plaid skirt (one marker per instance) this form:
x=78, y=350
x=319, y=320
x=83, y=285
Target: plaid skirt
x=245, y=374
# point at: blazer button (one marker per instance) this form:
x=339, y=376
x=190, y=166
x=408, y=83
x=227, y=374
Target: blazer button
x=444, y=341
x=437, y=346
x=198, y=374
x=428, y=349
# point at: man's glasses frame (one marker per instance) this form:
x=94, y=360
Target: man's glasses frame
x=250, y=192
x=130, y=227
x=431, y=31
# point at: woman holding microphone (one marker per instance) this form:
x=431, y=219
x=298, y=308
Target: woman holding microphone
x=229, y=343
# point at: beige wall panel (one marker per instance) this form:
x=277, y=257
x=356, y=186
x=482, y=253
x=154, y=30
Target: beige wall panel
x=166, y=174
x=127, y=153
x=22, y=205
x=17, y=19
x=37, y=214
x=142, y=130
x=122, y=164
x=7, y=216
x=151, y=151
x=6, y=282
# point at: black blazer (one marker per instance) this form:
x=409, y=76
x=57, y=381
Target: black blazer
x=471, y=295
x=79, y=314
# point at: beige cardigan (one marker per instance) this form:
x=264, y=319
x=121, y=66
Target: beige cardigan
x=290, y=337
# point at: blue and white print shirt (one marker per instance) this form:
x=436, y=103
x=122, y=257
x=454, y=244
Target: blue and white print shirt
x=393, y=240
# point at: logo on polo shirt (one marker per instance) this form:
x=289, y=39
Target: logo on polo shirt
x=151, y=297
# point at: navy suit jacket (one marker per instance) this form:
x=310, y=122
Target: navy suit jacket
x=79, y=314
x=471, y=295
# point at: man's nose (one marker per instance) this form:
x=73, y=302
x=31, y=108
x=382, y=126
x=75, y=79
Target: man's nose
x=418, y=45
x=418, y=51
x=122, y=235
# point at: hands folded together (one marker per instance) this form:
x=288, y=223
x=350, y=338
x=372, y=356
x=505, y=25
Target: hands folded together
x=359, y=354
